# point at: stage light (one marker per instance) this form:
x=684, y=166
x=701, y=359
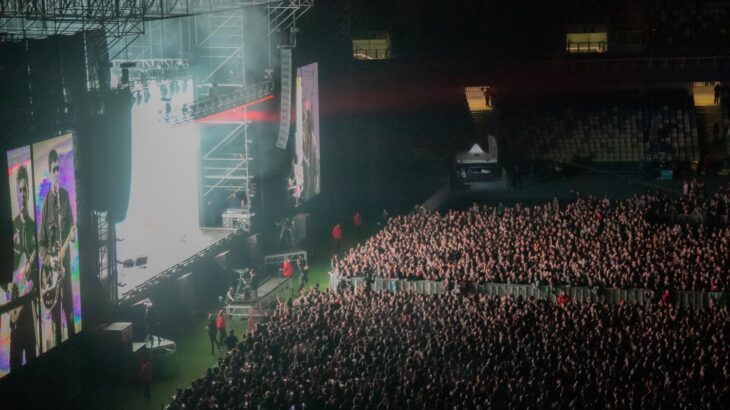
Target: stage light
x=142, y=302
x=220, y=100
x=141, y=261
x=127, y=263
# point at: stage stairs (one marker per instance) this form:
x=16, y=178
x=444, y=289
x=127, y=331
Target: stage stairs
x=707, y=117
x=263, y=305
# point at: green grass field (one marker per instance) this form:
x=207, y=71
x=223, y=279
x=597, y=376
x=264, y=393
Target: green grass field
x=169, y=373
x=193, y=358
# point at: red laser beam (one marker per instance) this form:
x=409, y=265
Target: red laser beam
x=236, y=114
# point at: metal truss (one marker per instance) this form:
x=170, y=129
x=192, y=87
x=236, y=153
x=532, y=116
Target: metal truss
x=219, y=43
x=220, y=102
x=228, y=169
x=153, y=64
x=36, y=19
x=284, y=14
x=141, y=72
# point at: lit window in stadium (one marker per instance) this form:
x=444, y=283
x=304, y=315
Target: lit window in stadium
x=371, y=46
x=586, y=42
x=480, y=98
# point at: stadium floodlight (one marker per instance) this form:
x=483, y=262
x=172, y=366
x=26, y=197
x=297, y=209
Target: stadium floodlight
x=219, y=102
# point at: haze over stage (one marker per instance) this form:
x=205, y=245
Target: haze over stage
x=163, y=250
x=162, y=219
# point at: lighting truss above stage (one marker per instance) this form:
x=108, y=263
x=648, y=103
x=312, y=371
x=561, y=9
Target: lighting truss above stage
x=21, y=19
x=219, y=102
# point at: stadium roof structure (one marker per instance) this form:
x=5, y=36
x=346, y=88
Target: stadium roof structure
x=21, y=19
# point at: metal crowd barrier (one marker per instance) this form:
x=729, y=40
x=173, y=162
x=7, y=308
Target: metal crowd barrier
x=690, y=299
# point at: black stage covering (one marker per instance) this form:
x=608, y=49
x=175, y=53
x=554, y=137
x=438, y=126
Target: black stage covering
x=48, y=87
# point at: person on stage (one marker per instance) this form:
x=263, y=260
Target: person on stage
x=57, y=231
x=230, y=296
x=24, y=318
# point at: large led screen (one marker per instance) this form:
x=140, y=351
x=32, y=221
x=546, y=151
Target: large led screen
x=55, y=216
x=304, y=178
x=19, y=322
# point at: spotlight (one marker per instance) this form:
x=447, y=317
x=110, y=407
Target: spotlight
x=127, y=263
x=219, y=100
x=141, y=261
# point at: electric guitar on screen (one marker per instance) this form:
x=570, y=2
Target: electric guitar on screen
x=54, y=272
x=22, y=287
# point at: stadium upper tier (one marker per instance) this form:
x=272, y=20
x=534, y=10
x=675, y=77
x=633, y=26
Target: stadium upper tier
x=692, y=26
x=619, y=127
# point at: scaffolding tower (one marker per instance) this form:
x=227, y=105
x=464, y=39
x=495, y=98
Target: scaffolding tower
x=162, y=40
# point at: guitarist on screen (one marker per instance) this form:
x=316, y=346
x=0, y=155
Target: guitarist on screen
x=56, y=234
x=24, y=287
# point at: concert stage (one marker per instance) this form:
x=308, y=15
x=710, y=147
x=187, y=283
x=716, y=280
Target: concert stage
x=162, y=224
x=159, y=347
x=163, y=250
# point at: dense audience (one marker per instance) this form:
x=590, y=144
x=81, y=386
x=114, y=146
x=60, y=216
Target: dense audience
x=408, y=351
x=695, y=201
x=589, y=242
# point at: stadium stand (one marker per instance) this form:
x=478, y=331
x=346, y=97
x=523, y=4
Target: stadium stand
x=688, y=26
x=608, y=127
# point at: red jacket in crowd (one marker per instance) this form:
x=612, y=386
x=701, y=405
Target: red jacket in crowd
x=357, y=219
x=337, y=232
x=287, y=269
x=220, y=321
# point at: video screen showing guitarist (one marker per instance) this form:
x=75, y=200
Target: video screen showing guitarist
x=19, y=309
x=56, y=234
x=24, y=288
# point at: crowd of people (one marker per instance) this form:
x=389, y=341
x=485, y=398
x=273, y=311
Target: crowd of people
x=693, y=201
x=589, y=242
x=408, y=351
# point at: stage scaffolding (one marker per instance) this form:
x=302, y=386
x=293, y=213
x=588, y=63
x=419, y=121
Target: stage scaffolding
x=162, y=41
x=37, y=19
x=125, y=21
